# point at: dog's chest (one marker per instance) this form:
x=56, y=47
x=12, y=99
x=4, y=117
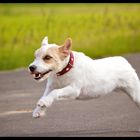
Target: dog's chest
x=59, y=82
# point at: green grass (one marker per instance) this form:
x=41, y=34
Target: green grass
x=98, y=30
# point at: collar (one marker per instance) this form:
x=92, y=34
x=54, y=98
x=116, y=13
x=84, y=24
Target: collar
x=68, y=67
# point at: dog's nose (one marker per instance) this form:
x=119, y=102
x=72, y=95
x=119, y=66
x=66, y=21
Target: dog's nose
x=32, y=68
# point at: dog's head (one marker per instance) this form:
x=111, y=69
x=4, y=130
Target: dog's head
x=49, y=59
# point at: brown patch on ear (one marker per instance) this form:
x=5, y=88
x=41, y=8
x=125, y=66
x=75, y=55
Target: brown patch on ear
x=67, y=44
x=55, y=53
x=65, y=49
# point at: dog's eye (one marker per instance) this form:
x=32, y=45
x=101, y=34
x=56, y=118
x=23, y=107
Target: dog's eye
x=47, y=57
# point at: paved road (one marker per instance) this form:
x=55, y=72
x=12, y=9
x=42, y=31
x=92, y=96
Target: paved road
x=112, y=115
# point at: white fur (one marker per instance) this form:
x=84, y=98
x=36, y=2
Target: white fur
x=90, y=78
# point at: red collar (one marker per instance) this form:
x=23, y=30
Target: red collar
x=68, y=67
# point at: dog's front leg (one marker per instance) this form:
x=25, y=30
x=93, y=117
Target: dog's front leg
x=40, y=108
x=46, y=101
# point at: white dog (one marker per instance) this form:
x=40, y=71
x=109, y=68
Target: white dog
x=74, y=75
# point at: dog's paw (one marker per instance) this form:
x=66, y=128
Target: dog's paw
x=39, y=112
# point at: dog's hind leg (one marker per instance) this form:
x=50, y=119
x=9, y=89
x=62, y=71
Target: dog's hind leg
x=132, y=88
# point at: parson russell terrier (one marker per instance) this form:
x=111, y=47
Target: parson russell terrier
x=73, y=75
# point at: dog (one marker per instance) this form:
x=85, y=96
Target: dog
x=73, y=75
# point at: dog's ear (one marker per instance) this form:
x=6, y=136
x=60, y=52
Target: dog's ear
x=68, y=44
x=65, y=49
x=45, y=41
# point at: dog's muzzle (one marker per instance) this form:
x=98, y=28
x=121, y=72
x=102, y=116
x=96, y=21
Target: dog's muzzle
x=37, y=75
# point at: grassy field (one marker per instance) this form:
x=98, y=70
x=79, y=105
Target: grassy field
x=98, y=30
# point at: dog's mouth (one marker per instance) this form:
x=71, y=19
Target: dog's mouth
x=38, y=75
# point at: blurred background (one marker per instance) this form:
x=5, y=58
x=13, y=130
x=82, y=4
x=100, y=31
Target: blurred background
x=98, y=30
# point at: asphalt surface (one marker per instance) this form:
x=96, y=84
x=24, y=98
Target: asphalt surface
x=113, y=115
